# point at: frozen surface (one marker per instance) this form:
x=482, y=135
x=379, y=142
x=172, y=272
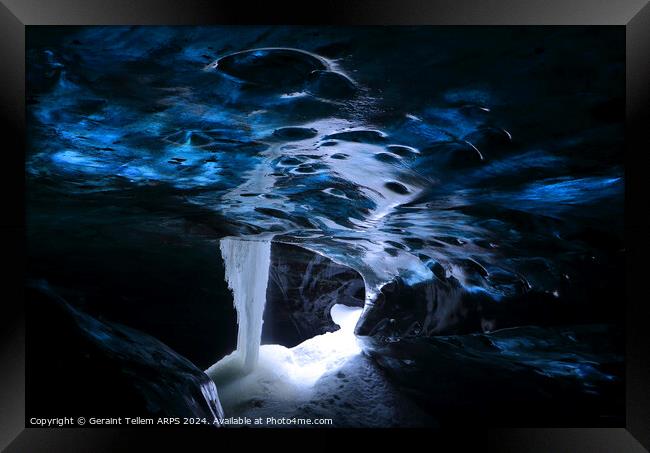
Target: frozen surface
x=323, y=377
x=247, y=274
x=473, y=177
x=285, y=372
x=487, y=157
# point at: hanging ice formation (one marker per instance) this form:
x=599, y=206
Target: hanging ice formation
x=247, y=273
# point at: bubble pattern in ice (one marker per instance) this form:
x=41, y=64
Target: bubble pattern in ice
x=398, y=164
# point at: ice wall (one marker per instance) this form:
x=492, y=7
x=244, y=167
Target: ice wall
x=247, y=273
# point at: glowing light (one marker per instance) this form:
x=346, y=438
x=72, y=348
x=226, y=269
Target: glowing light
x=288, y=373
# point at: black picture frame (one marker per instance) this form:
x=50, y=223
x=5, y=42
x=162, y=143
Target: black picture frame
x=16, y=15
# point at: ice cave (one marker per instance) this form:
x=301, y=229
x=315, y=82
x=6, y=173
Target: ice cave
x=371, y=226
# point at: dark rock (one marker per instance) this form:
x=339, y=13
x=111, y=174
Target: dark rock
x=519, y=376
x=430, y=308
x=443, y=306
x=302, y=288
x=86, y=367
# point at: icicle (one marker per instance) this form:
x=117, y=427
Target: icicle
x=247, y=273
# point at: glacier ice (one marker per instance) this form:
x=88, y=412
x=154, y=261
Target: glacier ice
x=247, y=273
x=374, y=162
x=288, y=374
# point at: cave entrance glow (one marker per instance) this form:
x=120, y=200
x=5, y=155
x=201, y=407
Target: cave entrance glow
x=254, y=372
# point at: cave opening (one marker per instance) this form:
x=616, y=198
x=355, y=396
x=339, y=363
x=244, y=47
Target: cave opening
x=255, y=371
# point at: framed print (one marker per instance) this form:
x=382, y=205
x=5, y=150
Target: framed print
x=258, y=219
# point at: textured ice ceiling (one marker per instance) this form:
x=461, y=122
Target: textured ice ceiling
x=488, y=159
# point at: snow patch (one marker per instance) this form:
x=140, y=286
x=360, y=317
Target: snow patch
x=284, y=374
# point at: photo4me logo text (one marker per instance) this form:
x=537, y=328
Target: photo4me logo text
x=59, y=422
